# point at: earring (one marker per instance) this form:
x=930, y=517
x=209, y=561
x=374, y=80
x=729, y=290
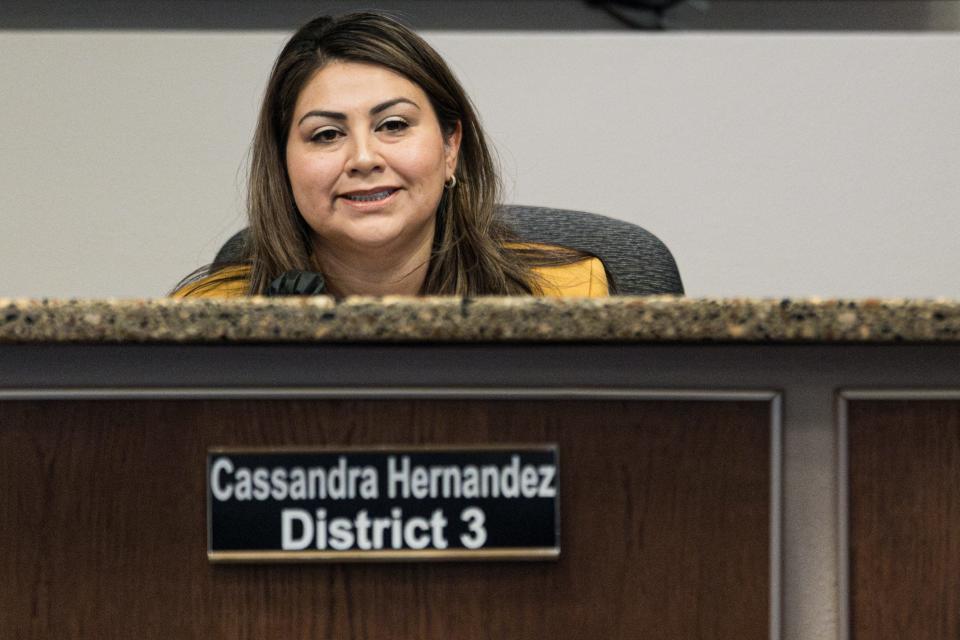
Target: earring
x=451, y=183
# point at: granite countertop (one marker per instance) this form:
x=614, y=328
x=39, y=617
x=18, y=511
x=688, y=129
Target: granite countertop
x=401, y=319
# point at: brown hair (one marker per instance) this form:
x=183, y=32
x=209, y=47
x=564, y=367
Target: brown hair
x=470, y=255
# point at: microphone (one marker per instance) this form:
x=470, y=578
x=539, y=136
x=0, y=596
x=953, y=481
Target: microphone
x=297, y=283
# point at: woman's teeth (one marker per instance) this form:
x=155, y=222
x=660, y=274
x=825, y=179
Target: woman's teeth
x=371, y=197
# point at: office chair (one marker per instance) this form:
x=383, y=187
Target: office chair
x=637, y=262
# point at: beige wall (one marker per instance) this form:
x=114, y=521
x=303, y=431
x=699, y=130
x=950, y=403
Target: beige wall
x=771, y=164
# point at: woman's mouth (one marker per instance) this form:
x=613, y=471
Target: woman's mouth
x=375, y=196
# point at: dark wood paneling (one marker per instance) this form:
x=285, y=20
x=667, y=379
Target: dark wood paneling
x=665, y=524
x=904, y=460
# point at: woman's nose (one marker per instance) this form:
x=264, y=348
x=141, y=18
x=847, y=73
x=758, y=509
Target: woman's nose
x=364, y=156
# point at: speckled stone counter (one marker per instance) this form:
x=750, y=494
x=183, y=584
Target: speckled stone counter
x=618, y=319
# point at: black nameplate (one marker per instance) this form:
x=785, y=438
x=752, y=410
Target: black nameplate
x=266, y=505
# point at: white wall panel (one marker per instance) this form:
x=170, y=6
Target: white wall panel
x=771, y=164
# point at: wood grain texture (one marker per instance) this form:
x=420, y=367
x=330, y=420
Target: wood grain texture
x=904, y=461
x=665, y=524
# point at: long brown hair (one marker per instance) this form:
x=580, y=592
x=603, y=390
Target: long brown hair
x=470, y=255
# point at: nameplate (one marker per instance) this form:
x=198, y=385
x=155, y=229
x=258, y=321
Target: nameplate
x=404, y=503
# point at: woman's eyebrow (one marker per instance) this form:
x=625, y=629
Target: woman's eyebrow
x=336, y=115
x=383, y=106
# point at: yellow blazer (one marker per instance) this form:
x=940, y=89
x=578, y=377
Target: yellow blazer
x=584, y=279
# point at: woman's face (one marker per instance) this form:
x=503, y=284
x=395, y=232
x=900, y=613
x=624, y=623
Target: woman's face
x=367, y=160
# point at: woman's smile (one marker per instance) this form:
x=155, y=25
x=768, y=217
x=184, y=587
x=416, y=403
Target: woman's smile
x=371, y=199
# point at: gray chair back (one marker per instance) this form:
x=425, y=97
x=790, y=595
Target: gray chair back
x=637, y=262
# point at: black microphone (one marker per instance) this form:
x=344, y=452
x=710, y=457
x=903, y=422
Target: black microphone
x=297, y=283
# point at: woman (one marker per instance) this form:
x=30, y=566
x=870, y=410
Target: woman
x=369, y=166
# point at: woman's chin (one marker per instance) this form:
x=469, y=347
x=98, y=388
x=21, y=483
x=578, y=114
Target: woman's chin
x=378, y=238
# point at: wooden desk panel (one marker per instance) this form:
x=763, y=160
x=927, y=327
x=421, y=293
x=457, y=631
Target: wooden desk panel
x=665, y=523
x=904, y=483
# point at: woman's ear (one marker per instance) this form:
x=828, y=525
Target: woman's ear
x=451, y=150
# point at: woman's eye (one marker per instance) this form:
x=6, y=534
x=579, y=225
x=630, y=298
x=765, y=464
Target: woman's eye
x=394, y=125
x=325, y=136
